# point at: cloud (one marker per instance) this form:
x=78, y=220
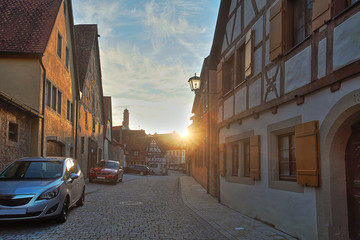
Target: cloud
x=148, y=51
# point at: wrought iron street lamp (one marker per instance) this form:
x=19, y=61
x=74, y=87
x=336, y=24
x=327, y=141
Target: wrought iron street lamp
x=194, y=82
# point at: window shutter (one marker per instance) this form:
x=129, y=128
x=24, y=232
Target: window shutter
x=307, y=154
x=321, y=13
x=255, y=157
x=222, y=160
x=219, y=77
x=249, y=45
x=276, y=31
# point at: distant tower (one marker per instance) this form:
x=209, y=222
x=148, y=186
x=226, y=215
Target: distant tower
x=125, y=122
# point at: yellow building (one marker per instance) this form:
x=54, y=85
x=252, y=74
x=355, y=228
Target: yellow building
x=38, y=73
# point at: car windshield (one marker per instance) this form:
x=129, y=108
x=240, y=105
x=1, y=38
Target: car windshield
x=112, y=165
x=32, y=170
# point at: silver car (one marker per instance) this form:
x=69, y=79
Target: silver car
x=35, y=188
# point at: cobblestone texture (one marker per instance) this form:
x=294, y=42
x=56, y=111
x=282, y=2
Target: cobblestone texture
x=147, y=207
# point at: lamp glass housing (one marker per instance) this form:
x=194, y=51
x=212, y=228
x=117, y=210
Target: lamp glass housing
x=194, y=82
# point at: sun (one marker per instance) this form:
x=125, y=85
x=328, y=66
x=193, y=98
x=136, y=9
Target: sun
x=184, y=134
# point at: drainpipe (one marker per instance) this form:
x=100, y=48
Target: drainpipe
x=43, y=107
x=76, y=106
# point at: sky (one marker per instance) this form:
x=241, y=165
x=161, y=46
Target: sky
x=148, y=51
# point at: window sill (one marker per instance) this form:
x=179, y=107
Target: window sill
x=288, y=52
x=240, y=180
x=288, y=186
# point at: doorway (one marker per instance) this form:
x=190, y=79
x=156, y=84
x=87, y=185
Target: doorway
x=353, y=181
x=55, y=149
x=92, y=154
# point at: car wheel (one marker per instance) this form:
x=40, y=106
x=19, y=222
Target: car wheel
x=64, y=212
x=81, y=201
x=115, y=181
x=141, y=173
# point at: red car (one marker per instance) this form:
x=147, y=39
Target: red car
x=107, y=171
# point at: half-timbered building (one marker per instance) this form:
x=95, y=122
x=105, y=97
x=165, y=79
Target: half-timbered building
x=288, y=103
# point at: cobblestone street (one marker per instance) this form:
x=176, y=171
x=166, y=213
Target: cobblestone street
x=144, y=207
x=148, y=207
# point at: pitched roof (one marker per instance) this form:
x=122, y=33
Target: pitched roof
x=26, y=25
x=85, y=36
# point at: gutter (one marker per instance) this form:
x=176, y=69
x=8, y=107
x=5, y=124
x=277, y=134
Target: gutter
x=43, y=107
x=22, y=106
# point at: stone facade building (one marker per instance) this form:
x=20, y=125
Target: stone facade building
x=38, y=77
x=90, y=139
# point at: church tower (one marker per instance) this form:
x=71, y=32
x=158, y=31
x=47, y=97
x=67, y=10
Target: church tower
x=125, y=122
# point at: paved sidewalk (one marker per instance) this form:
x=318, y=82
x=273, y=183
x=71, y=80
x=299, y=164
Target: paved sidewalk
x=229, y=222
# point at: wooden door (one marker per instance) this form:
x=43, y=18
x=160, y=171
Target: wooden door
x=353, y=182
x=54, y=149
x=92, y=154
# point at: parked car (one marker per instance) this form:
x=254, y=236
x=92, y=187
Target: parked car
x=138, y=169
x=36, y=188
x=107, y=171
x=158, y=168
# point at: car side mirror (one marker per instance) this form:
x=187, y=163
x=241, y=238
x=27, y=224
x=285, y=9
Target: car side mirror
x=74, y=176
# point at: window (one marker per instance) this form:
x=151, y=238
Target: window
x=59, y=102
x=287, y=157
x=72, y=112
x=53, y=97
x=235, y=160
x=59, y=45
x=67, y=57
x=299, y=18
x=290, y=24
x=48, y=93
x=93, y=127
x=228, y=78
x=246, y=158
x=13, y=132
x=240, y=65
x=82, y=144
x=64, y=6
x=340, y=5
x=69, y=111
x=136, y=153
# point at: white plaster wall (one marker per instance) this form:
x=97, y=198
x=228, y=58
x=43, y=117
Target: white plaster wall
x=267, y=60
x=249, y=13
x=270, y=74
x=240, y=101
x=232, y=6
x=229, y=28
x=229, y=108
x=346, y=45
x=291, y=212
x=260, y=4
x=322, y=58
x=258, y=29
x=298, y=70
x=237, y=28
x=255, y=93
x=258, y=61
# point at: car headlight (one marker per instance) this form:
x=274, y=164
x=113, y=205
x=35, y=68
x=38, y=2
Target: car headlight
x=49, y=194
